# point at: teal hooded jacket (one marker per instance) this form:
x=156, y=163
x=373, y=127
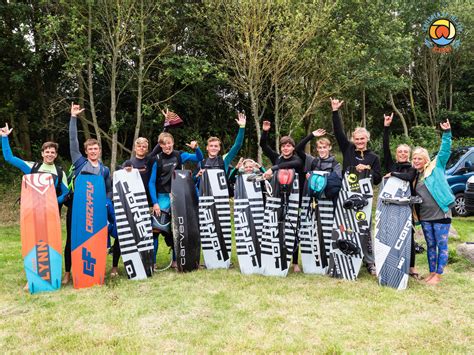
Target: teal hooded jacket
x=435, y=175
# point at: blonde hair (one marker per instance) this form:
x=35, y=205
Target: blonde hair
x=324, y=141
x=214, y=139
x=141, y=140
x=361, y=130
x=406, y=146
x=423, y=153
x=163, y=136
x=90, y=142
x=248, y=160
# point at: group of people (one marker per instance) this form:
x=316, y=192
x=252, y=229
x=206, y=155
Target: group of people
x=426, y=176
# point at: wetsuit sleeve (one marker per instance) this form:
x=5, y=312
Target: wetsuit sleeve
x=269, y=152
x=294, y=163
x=376, y=171
x=108, y=186
x=233, y=173
x=341, y=138
x=152, y=184
x=407, y=176
x=195, y=157
x=73, y=141
x=157, y=149
x=444, y=150
x=338, y=170
x=387, y=156
x=239, y=140
x=262, y=169
x=64, y=189
x=301, y=145
x=24, y=166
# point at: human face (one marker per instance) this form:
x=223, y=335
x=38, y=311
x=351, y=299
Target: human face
x=403, y=154
x=140, y=150
x=323, y=150
x=418, y=162
x=49, y=155
x=248, y=168
x=360, y=141
x=287, y=150
x=213, y=148
x=93, y=152
x=167, y=146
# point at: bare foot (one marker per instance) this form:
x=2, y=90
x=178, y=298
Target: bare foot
x=26, y=288
x=296, y=268
x=66, y=278
x=436, y=279
x=430, y=276
x=114, y=272
x=174, y=265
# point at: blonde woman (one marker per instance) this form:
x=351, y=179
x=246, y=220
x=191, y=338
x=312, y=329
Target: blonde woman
x=434, y=212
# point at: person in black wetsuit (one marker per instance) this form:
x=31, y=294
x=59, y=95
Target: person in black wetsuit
x=356, y=154
x=324, y=161
x=402, y=169
x=287, y=160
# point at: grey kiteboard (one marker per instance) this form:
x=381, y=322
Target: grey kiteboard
x=393, y=225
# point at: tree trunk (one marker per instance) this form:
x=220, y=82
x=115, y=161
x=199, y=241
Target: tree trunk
x=140, y=75
x=254, y=109
x=85, y=125
x=307, y=129
x=113, y=108
x=399, y=113
x=450, y=102
x=364, y=119
x=90, y=87
x=277, y=119
x=24, y=135
x=412, y=103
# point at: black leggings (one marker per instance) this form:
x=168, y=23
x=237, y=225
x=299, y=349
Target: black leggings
x=116, y=253
x=295, y=252
x=412, y=251
x=67, y=248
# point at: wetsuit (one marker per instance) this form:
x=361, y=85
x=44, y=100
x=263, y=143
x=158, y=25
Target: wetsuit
x=83, y=165
x=159, y=185
x=403, y=171
x=353, y=157
x=279, y=162
x=27, y=166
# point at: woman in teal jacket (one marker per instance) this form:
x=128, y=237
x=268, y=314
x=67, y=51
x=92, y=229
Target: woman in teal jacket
x=434, y=212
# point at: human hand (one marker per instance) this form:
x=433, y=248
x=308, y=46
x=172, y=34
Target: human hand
x=266, y=126
x=445, y=125
x=239, y=164
x=193, y=145
x=76, y=109
x=267, y=174
x=200, y=172
x=319, y=132
x=336, y=104
x=156, y=209
x=361, y=167
x=5, y=131
x=387, y=120
x=241, y=119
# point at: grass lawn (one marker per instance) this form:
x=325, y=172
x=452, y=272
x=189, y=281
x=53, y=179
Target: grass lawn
x=224, y=311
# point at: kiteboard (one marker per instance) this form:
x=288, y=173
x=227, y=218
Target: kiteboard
x=248, y=221
x=393, y=224
x=40, y=231
x=352, y=225
x=214, y=219
x=89, y=231
x=281, y=223
x=185, y=221
x=316, y=222
x=133, y=224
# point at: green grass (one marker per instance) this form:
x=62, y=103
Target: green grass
x=224, y=311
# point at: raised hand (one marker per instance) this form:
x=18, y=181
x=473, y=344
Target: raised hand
x=239, y=164
x=319, y=132
x=241, y=119
x=76, y=109
x=387, y=120
x=445, y=125
x=193, y=145
x=165, y=113
x=336, y=104
x=5, y=131
x=266, y=125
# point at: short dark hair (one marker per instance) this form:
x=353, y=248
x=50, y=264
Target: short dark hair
x=287, y=139
x=47, y=145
